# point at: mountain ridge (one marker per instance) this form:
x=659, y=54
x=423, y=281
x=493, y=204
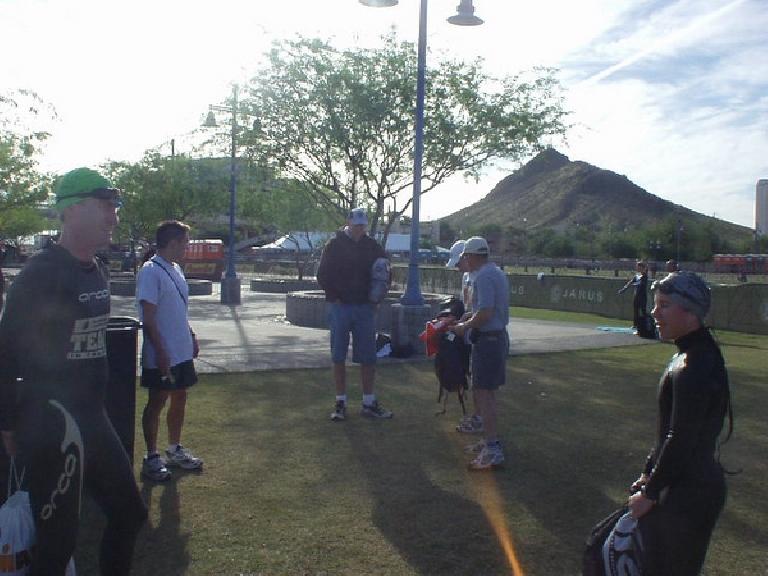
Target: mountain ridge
x=552, y=191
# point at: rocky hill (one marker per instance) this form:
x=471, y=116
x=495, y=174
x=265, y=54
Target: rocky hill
x=552, y=191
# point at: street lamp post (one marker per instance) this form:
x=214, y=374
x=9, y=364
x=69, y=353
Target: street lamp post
x=230, y=284
x=464, y=17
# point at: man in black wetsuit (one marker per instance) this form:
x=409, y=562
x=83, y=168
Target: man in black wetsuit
x=53, y=339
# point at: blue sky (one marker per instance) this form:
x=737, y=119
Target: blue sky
x=670, y=93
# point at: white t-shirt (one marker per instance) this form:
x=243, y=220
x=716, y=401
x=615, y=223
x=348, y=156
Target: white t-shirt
x=466, y=288
x=162, y=283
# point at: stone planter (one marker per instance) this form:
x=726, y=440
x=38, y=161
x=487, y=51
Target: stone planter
x=282, y=285
x=308, y=308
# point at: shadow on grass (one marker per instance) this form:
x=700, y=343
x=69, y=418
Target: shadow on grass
x=162, y=542
x=436, y=531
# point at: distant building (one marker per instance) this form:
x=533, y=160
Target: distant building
x=761, y=208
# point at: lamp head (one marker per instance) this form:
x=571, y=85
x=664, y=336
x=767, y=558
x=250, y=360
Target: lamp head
x=465, y=15
x=379, y=3
x=210, y=120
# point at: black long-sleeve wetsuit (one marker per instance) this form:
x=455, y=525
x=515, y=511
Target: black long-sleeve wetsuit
x=686, y=478
x=53, y=338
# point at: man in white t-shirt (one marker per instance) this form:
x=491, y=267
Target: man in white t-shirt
x=169, y=347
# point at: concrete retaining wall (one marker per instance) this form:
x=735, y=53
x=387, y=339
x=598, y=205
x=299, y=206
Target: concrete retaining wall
x=282, y=286
x=309, y=308
x=743, y=308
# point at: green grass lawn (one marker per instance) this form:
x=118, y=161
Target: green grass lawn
x=287, y=492
x=563, y=316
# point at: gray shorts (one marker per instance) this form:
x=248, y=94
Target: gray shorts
x=489, y=359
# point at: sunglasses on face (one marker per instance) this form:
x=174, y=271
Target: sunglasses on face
x=111, y=194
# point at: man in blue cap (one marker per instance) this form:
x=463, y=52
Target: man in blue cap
x=344, y=274
x=53, y=374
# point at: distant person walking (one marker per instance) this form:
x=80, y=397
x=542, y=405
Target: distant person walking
x=640, y=318
x=53, y=336
x=170, y=345
x=488, y=324
x=344, y=274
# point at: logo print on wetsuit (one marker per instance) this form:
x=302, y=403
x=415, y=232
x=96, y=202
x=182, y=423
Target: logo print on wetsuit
x=98, y=295
x=72, y=437
x=89, y=337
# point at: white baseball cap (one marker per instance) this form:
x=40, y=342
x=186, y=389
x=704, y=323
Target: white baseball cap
x=476, y=245
x=456, y=250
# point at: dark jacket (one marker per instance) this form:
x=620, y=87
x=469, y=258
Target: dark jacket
x=345, y=268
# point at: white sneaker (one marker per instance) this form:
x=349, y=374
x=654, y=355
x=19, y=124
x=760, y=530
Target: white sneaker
x=153, y=468
x=470, y=425
x=339, y=411
x=475, y=447
x=375, y=410
x=183, y=458
x=490, y=458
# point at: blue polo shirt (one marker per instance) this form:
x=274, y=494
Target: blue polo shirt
x=490, y=289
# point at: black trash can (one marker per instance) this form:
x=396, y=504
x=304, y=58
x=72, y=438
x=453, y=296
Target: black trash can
x=122, y=349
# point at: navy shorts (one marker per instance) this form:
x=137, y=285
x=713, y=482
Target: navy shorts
x=489, y=359
x=358, y=320
x=182, y=376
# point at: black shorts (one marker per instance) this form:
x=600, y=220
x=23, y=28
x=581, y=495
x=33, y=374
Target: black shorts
x=182, y=376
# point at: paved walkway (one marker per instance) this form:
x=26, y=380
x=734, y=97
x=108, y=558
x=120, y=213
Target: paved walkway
x=255, y=335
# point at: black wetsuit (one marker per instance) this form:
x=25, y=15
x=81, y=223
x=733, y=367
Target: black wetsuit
x=53, y=337
x=686, y=478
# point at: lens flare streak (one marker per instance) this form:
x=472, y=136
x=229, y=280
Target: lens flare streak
x=490, y=501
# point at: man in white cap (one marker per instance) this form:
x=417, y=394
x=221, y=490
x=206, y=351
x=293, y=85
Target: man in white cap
x=344, y=274
x=472, y=424
x=488, y=325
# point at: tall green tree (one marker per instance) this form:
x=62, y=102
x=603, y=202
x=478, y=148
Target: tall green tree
x=342, y=121
x=161, y=188
x=296, y=215
x=22, y=185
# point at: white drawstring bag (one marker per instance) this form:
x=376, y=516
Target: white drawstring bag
x=17, y=529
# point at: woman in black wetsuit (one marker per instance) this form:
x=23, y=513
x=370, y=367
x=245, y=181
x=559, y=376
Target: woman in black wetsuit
x=681, y=491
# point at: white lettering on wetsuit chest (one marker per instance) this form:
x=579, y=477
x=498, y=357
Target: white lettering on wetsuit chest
x=89, y=338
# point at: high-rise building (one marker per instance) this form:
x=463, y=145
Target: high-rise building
x=761, y=208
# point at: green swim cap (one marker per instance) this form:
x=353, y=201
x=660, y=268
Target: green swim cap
x=79, y=184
